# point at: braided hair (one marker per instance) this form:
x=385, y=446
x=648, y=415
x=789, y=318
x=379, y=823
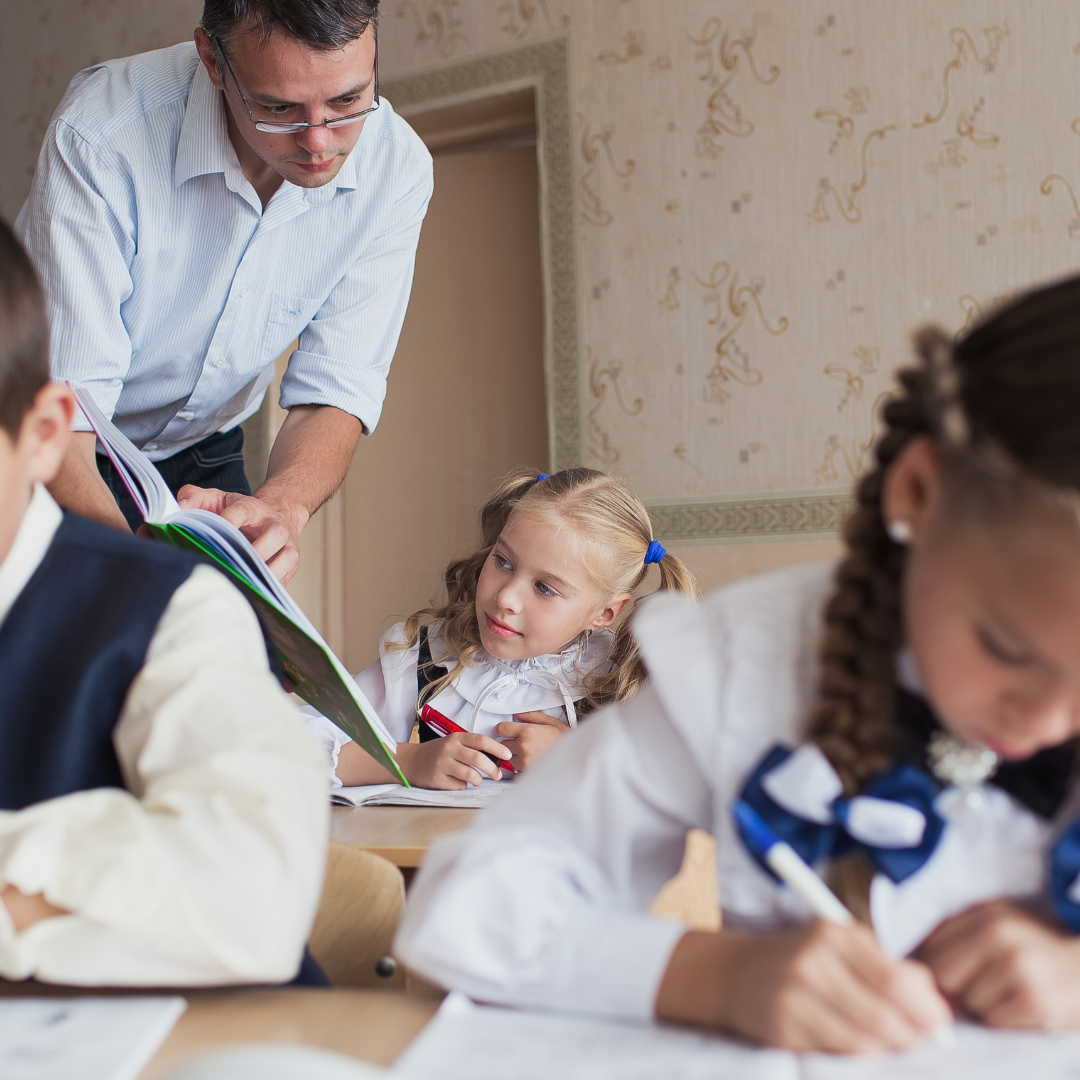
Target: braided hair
x=1003, y=407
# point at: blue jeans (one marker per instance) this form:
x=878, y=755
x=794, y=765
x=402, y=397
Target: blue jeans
x=215, y=462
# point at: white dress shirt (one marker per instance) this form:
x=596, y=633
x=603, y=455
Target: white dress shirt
x=171, y=292
x=208, y=868
x=543, y=901
x=483, y=695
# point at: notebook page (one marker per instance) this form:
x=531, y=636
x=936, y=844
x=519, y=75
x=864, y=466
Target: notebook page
x=47, y=1038
x=979, y=1054
x=479, y=1042
x=396, y=795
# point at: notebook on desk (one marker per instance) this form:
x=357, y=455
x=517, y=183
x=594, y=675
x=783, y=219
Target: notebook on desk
x=460, y=1042
x=395, y=795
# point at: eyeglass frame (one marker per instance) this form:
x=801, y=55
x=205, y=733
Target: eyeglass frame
x=273, y=127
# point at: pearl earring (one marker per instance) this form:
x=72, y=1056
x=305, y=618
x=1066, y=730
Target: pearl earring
x=899, y=531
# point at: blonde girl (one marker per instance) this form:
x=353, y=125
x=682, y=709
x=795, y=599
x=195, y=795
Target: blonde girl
x=534, y=633
x=906, y=720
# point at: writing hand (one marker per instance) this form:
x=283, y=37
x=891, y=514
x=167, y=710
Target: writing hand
x=820, y=987
x=1007, y=967
x=451, y=763
x=532, y=737
x=273, y=530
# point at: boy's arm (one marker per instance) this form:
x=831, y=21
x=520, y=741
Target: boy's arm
x=208, y=869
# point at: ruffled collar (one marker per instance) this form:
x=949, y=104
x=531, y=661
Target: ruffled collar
x=543, y=682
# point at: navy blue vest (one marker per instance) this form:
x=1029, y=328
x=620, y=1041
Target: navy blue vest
x=70, y=647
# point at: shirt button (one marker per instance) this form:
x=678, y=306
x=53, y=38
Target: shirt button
x=219, y=363
x=185, y=415
x=243, y=293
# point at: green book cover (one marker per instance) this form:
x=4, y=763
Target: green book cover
x=320, y=678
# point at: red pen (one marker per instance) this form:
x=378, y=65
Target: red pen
x=443, y=725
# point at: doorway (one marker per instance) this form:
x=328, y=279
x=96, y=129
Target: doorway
x=466, y=399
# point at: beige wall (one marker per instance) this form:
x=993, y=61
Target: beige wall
x=43, y=43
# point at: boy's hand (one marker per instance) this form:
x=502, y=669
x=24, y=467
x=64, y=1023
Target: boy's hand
x=821, y=987
x=532, y=737
x=451, y=763
x=1006, y=967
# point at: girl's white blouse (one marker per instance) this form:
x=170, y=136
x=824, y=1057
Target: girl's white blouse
x=543, y=901
x=483, y=695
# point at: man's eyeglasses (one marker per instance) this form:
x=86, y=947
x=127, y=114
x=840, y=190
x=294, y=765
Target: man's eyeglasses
x=279, y=128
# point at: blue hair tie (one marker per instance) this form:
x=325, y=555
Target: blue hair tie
x=655, y=553
x=542, y=476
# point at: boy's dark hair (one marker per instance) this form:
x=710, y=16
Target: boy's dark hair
x=319, y=24
x=24, y=333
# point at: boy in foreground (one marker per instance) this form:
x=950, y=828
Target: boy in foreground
x=138, y=844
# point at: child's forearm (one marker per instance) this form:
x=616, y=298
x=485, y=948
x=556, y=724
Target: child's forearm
x=693, y=989
x=356, y=767
x=27, y=910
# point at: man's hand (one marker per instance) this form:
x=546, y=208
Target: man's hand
x=532, y=737
x=274, y=530
x=1006, y=967
x=451, y=763
x=820, y=987
x=27, y=910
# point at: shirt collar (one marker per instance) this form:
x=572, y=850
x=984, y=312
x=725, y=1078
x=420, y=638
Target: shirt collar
x=39, y=524
x=204, y=146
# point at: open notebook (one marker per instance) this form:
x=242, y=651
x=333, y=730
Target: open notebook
x=321, y=679
x=395, y=795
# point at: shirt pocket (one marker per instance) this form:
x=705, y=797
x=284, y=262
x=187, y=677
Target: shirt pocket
x=286, y=319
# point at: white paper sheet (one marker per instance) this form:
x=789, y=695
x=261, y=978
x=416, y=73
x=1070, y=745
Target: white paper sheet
x=979, y=1054
x=473, y=1042
x=396, y=795
x=466, y=1041
x=86, y=1038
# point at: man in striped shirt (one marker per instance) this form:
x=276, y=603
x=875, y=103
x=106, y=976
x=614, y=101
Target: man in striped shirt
x=195, y=210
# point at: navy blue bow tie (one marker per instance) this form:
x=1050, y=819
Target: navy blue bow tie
x=815, y=840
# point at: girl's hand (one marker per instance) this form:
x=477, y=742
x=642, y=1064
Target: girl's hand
x=532, y=737
x=1006, y=967
x=451, y=763
x=820, y=987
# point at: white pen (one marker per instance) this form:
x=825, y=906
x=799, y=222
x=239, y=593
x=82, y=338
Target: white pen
x=789, y=867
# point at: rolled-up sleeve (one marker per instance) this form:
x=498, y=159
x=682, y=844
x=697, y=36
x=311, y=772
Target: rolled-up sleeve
x=345, y=351
x=543, y=902
x=208, y=868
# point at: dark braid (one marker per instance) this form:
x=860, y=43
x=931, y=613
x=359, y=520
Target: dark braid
x=1004, y=407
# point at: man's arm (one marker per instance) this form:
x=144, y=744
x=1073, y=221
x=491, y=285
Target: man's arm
x=79, y=486
x=307, y=464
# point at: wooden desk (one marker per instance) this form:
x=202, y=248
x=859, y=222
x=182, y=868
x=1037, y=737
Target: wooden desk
x=372, y=1025
x=401, y=834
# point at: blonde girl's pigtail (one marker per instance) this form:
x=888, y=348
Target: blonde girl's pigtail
x=625, y=673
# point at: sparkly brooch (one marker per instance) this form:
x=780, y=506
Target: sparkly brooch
x=960, y=764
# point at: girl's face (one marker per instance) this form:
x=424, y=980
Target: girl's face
x=535, y=595
x=992, y=614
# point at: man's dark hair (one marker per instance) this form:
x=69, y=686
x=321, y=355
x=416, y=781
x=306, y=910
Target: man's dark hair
x=24, y=333
x=319, y=24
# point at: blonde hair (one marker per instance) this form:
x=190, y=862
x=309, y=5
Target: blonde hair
x=611, y=532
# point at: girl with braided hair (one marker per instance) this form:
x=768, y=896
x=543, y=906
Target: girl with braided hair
x=906, y=720
x=534, y=634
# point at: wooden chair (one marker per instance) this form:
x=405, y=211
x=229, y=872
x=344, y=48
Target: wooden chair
x=692, y=895
x=358, y=915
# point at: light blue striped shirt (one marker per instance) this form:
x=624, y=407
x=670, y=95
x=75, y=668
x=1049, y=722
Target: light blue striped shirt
x=171, y=292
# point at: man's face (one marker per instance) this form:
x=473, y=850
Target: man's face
x=287, y=82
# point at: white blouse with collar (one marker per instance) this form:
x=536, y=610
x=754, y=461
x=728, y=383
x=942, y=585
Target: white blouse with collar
x=543, y=901
x=482, y=696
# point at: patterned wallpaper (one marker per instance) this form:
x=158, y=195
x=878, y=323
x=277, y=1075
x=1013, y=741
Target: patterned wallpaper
x=767, y=198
